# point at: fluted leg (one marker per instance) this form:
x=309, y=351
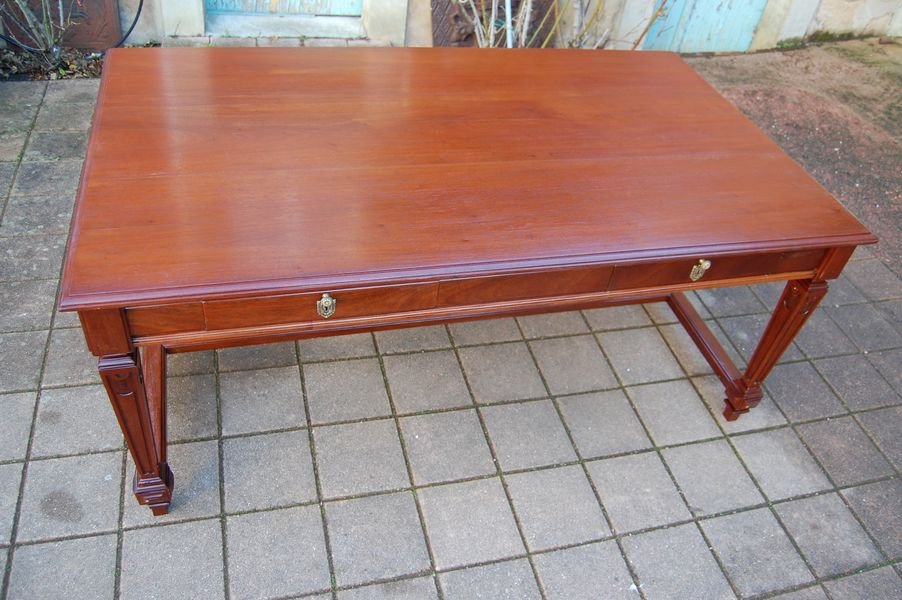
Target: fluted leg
x=798, y=301
x=137, y=389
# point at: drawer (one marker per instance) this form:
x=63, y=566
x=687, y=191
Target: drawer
x=542, y=284
x=721, y=268
x=166, y=319
x=299, y=308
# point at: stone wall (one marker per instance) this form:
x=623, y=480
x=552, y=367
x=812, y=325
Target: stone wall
x=785, y=20
x=407, y=22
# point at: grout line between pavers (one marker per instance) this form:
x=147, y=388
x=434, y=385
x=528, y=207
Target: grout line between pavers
x=880, y=450
x=549, y=550
x=697, y=521
x=445, y=410
x=220, y=454
x=430, y=552
x=309, y=503
x=862, y=353
x=500, y=474
x=309, y=428
x=853, y=414
x=12, y=180
x=604, y=511
x=120, y=533
x=770, y=504
x=552, y=466
x=631, y=401
x=461, y=409
x=17, y=516
x=546, y=466
x=834, y=489
x=427, y=412
x=416, y=488
x=316, y=477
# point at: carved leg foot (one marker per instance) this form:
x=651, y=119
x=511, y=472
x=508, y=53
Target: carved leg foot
x=136, y=387
x=155, y=492
x=798, y=300
x=741, y=403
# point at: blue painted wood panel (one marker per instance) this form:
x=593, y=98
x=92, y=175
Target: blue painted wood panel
x=352, y=8
x=705, y=25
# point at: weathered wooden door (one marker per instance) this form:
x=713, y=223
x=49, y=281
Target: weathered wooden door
x=705, y=25
x=349, y=8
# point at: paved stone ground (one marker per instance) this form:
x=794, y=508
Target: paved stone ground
x=564, y=456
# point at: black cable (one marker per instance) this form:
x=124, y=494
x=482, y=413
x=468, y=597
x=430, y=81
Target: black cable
x=18, y=44
x=132, y=28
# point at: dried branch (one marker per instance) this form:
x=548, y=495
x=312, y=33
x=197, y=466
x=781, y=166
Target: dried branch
x=648, y=25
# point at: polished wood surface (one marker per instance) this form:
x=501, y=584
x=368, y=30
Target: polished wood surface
x=241, y=196
x=399, y=164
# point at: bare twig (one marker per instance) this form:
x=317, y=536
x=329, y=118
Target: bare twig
x=557, y=23
x=478, y=27
x=539, y=28
x=578, y=41
x=492, y=22
x=525, y=20
x=648, y=25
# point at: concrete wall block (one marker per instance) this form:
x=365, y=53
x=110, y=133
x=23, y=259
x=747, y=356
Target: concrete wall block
x=325, y=43
x=186, y=41
x=233, y=42
x=386, y=20
x=769, y=28
x=419, y=24
x=279, y=42
x=183, y=17
x=369, y=43
x=800, y=14
x=895, y=26
x=856, y=16
x=634, y=16
x=149, y=27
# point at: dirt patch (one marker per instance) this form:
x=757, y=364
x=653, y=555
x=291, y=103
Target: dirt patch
x=837, y=110
x=18, y=65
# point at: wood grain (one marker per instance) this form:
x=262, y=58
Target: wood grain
x=205, y=165
x=226, y=190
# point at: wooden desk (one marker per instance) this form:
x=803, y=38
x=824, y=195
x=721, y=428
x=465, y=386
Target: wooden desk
x=242, y=196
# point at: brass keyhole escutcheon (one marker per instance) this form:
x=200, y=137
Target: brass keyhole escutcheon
x=326, y=305
x=698, y=271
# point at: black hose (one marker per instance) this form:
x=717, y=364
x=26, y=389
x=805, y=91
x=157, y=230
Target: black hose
x=19, y=44
x=132, y=28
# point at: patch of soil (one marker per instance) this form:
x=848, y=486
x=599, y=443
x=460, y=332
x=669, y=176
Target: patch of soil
x=837, y=110
x=18, y=65
x=855, y=160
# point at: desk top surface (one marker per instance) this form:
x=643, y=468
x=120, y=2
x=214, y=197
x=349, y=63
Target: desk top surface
x=215, y=172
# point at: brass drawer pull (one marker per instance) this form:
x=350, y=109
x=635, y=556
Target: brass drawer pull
x=325, y=306
x=698, y=271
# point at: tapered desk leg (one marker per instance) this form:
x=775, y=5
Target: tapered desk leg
x=798, y=301
x=136, y=385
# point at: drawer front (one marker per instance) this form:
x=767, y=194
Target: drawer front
x=503, y=288
x=299, y=308
x=166, y=319
x=727, y=267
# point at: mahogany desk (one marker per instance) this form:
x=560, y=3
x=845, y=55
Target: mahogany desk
x=241, y=196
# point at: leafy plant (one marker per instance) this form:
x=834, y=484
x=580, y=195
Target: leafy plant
x=43, y=27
